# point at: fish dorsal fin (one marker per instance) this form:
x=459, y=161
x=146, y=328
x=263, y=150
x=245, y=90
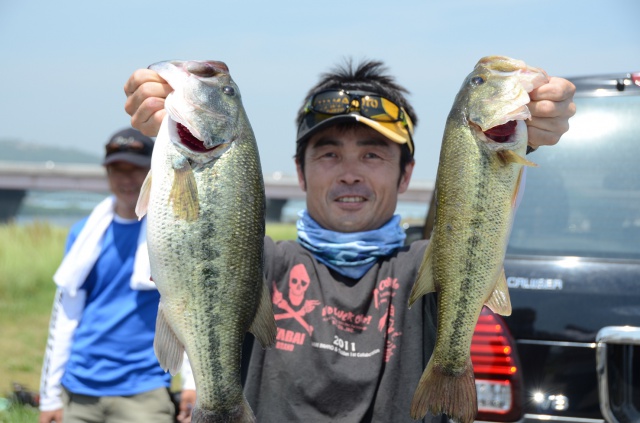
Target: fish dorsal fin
x=264, y=324
x=509, y=156
x=143, y=199
x=424, y=282
x=166, y=345
x=499, y=301
x=184, y=191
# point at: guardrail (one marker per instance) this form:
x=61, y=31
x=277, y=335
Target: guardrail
x=50, y=176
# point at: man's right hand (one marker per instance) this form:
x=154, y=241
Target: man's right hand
x=51, y=416
x=146, y=92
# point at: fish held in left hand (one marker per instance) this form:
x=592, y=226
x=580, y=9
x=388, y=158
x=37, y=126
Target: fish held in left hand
x=205, y=205
x=479, y=174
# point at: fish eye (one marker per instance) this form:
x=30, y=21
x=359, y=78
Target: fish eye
x=477, y=80
x=229, y=90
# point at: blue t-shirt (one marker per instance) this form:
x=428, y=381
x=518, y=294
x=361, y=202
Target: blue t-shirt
x=112, y=348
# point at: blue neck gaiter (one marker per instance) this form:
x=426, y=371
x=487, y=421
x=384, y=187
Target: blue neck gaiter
x=350, y=254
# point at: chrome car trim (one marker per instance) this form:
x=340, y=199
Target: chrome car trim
x=624, y=335
x=558, y=419
x=557, y=343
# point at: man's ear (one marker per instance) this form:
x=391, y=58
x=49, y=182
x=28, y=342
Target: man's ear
x=406, y=178
x=301, y=180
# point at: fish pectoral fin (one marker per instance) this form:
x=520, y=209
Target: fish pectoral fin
x=509, y=156
x=516, y=191
x=499, y=301
x=143, y=199
x=184, y=191
x=264, y=324
x=169, y=350
x=424, y=282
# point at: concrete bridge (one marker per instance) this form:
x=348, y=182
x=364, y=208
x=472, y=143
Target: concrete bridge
x=16, y=178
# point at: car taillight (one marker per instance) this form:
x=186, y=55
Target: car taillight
x=495, y=364
x=635, y=77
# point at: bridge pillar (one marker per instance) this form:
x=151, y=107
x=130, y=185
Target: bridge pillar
x=10, y=200
x=274, y=209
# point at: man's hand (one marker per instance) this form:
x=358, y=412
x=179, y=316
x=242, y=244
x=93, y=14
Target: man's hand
x=551, y=107
x=51, y=416
x=146, y=92
x=187, y=402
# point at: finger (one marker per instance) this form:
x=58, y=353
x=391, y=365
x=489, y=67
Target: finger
x=143, y=93
x=182, y=417
x=186, y=408
x=139, y=77
x=148, y=118
x=546, y=108
x=557, y=89
x=546, y=131
x=549, y=121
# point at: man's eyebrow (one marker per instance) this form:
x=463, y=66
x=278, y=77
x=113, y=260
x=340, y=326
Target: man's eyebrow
x=374, y=142
x=335, y=142
x=326, y=141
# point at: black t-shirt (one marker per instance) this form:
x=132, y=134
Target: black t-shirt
x=346, y=350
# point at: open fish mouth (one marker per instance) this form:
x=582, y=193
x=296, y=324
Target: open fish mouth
x=502, y=133
x=502, y=130
x=192, y=143
x=188, y=140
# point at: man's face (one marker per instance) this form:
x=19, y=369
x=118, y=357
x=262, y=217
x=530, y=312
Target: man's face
x=352, y=178
x=125, y=181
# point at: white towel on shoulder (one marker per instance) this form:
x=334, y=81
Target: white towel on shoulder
x=84, y=252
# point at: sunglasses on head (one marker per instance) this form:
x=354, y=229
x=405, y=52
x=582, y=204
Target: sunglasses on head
x=125, y=145
x=395, y=122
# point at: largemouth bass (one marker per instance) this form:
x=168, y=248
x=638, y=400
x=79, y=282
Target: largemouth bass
x=205, y=205
x=479, y=173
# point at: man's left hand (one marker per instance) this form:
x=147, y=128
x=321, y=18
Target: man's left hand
x=187, y=402
x=551, y=107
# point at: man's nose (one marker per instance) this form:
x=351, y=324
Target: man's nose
x=350, y=174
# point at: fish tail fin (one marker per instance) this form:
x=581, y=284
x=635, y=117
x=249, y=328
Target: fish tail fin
x=264, y=324
x=499, y=301
x=184, y=192
x=424, y=282
x=169, y=350
x=143, y=199
x=441, y=392
x=242, y=414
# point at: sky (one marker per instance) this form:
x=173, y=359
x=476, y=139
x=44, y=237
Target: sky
x=63, y=64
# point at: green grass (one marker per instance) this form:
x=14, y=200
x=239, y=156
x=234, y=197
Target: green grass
x=29, y=256
x=19, y=414
x=281, y=231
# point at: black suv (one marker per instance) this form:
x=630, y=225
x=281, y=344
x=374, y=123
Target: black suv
x=570, y=351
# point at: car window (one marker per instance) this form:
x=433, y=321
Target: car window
x=584, y=198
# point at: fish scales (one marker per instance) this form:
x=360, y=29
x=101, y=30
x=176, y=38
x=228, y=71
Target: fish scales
x=208, y=250
x=476, y=190
x=478, y=197
x=209, y=266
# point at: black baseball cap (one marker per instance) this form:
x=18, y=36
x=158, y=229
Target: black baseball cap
x=129, y=145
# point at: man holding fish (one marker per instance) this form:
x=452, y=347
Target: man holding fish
x=348, y=348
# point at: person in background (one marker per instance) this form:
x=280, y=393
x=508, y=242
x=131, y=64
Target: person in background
x=99, y=364
x=348, y=348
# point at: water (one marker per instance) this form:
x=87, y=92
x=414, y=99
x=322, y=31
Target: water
x=59, y=208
